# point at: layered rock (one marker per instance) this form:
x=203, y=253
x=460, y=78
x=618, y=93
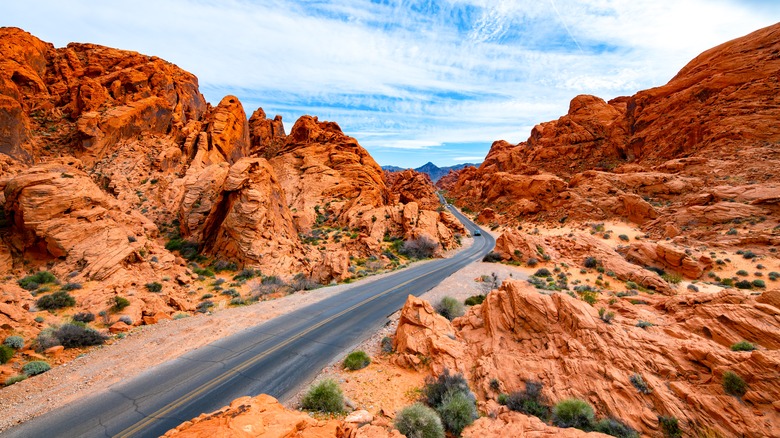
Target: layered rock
x=412, y=186
x=520, y=334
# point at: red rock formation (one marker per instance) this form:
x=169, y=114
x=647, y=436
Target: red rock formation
x=267, y=136
x=520, y=334
x=412, y=186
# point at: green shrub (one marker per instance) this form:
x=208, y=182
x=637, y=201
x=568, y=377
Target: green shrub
x=591, y=262
x=247, y=274
x=356, y=360
x=450, y=308
x=615, y=427
x=120, y=303
x=531, y=262
x=325, y=396
x=573, y=412
x=33, y=282
x=474, y=300
x=35, y=367
x=419, y=421
x=188, y=249
x=742, y=273
x=15, y=342
x=733, y=384
x=606, y=316
x=543, y=272
x=589, y=296
x=457, y=411
x=644, y=324
x=387, y=344
x=759, y=283
x=749, y=255
x=672, y=278
x=743, y=284
x=6, y=353
x=77, y=335
x=670, y=426
x=774, y=275
x=56, y=300
x=15, y=379
x=84, y=317
x=743, y=346
x=46, y=339
x=222, y=265
x=204, y=272
x=531, y=401
x=492, y=257
x=436, y=388
x=71, y=286
x=503, y=399
x=640, y=384
x=623, y=237
x=420, y=248
x=154, y=286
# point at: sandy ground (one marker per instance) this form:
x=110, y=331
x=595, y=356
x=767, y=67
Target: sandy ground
x=148, y=346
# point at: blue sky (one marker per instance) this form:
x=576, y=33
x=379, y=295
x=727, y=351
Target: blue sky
x=413, y=81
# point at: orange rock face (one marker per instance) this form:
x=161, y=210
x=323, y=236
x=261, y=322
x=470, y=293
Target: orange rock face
x=412, y=186
x=520, y=334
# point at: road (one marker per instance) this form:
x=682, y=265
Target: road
x=277, y=357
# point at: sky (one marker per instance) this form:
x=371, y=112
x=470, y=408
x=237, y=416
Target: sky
x=413, y=80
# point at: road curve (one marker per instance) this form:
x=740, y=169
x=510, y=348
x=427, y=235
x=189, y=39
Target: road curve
x=276, y=358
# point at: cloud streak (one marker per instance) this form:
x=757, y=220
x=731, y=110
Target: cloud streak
x=440, y=78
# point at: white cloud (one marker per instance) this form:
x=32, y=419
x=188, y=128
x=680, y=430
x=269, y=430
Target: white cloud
x=395, y=77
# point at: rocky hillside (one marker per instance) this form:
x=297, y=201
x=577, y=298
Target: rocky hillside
x=120, y=181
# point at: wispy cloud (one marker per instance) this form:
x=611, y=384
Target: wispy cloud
x=409, y=77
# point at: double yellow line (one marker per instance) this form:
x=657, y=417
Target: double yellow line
x=138, y=427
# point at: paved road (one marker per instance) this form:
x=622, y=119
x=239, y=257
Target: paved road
x=276, y=358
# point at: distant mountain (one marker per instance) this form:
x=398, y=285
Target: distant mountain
x=434, y=171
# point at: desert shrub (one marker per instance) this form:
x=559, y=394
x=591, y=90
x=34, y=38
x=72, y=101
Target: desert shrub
x=573, y=412
x=591, y=262
x=670, y=426
x=34, y=281
x=56, y=300
x=588, y=296
x=187, y=248
x=450, y=308
x=743, y=346
x=15, y=379
x=222, y=265
x=325, y=396
x=543, y=272
x=35, y=367
x=15, y=342
x=126, y=319
x=743, y=284
x=356, y=360
x=742, y=273
x=474, y=300
x=77, y=335
x=206, y=296
x=71, y=286
x=531, y=401
x=84, y=317
x=692, y=287
x=644, y=324
x=774, y=275
x=457, y=411
x=247, y=274
x=46, y=339
x=606, y=316
x=204, y=306
x=758, y=283
x=154, y=286
x=204, y=272
x=672, y=278
x=749, y=255
x=419, y=421
x=640, y=384
x=420, y=248
x=269, y=285
x=615, y=427
x=119, y=303
x=503, y=399
x=733, y=384
x=303, y=282
x=436, y=388
x=492, y=257
x=6, y=353
x=531, y=262
x=386, y=344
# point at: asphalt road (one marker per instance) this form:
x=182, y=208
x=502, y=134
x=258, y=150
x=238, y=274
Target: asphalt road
x=277, y=357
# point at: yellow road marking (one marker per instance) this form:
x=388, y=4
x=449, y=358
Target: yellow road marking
x=249, y=362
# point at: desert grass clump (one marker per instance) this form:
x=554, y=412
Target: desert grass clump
x=419, y=421
x=325, y=396
x=34, y=281
x=457, y=410
x=531, y=401
x=35, y=367
x=15, y=379
x=119, y=303
x=56, y=300
x=606, y=316
x=670, y=426
x=356, y=360
x=154, y=286
x=6, y=353
x=450, y=308
x=573, y=412
x=15, y=342
x=436, y=388
x=474, y=300
x=644, y=324
x=640, y=384
x=743, y=346
x=733, y=384
x=84, y=317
